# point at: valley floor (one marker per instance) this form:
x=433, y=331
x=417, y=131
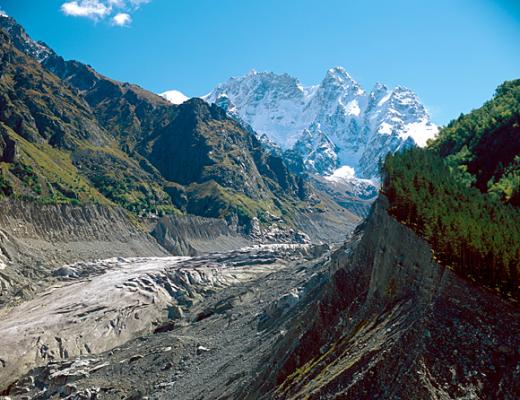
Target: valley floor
x=171, y=327
x=376, y=317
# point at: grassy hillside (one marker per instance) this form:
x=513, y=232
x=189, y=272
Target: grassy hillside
x=461, y=192
x=71, y=135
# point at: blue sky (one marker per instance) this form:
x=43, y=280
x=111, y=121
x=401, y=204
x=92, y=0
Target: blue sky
x=453, y=53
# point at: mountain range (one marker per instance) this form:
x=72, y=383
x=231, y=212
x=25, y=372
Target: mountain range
x=333, y=124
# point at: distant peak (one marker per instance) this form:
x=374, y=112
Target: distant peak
x=339, y=73
x=3, y=14
x=174, y=96
x=339, y=80
x=338, y=70
x=403, y=90
x=404, y=95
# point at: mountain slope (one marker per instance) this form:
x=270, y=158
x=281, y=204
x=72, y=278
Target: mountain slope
x=117, y=143
x=484, y=143
x=330, y=125
x=461, y=193
x=386, y=321
x=47, y=130
x=220, y=159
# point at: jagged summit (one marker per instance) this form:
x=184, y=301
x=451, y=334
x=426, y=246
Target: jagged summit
x=339, y=77
x=340, y=72
x=332, y=124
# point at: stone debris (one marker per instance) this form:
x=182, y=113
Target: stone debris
x=202, y=349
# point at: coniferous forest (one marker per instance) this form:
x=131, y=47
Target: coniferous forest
x=461, y=192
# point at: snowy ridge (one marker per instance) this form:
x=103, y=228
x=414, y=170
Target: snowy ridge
x=330, y=125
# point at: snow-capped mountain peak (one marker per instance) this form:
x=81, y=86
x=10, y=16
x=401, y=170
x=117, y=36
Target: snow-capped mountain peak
x=339, y=75
x=174, y=96
x=338, y=87
x=400, y=112
x=330, y=125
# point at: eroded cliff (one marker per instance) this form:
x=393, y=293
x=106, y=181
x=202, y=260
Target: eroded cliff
x=389, y=322
x=35, y=239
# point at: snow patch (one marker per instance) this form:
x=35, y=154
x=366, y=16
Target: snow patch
x=342, y=173
x=353, y=108
x=385, y=128
x=420, y=132
x=174, y=96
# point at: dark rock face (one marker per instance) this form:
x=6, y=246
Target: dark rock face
x=202, y=144
x=184, y=143
x=391, y=323
x=8, y=148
